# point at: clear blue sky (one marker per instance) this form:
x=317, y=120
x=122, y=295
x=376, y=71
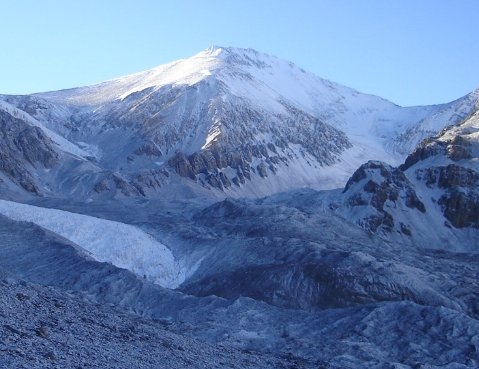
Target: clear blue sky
x=408, y=51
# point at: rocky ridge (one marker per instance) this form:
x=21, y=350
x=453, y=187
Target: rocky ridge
x=436, y=188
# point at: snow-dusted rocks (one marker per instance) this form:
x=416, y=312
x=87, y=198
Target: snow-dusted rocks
x=235, y=121
x=374, y=188
x=238, y=156
x=431, y=200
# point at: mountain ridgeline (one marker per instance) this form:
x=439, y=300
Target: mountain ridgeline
x=232, y=121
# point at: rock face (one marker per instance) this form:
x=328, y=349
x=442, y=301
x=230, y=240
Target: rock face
x=148, y=149
x=461, y=209
x=458, y=180
x=142, y=183
x=238, y=149
x=460, y=199
x=24, y=149
x=436, y=190
x=374, y=185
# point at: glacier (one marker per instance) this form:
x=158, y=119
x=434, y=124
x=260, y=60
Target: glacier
x=122, y=245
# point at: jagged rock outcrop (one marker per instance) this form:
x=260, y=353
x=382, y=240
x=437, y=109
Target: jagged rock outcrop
x=372, y=186
x=461, y=208
x=448, y=177
x=431, y=201
x=148, y=149
x=148, y=181
x=455, y=142
x=458, y=180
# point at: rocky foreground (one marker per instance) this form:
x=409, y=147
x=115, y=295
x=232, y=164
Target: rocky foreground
x=42, y=327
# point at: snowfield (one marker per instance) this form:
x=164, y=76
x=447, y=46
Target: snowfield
x=122, y=245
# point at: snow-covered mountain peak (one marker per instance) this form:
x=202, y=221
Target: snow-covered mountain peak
x=182, y=72
x=213, y=50
x=212, y=61
x=229, y=116
x=236, y=55
x=264, y=80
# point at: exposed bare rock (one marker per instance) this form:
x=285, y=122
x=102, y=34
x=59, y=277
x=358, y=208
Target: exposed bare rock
x=149, y=149
x=391, y=182
x=239, y=144
x=24, y=148
x=262, y=170
x=148, y=181
x=117, y=184
x=458, y=183
x=460, y=200
x=461, y=208
x=448, y=177
x=143, y=183
x=182, y=166
x=101, y=186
